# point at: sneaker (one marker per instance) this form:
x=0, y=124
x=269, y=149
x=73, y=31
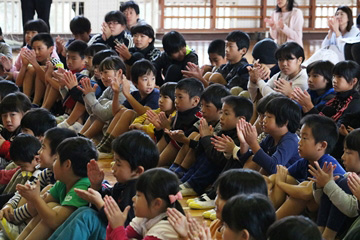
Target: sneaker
x=195, y=199
x=186, y=191
x=213, y=216
x=204, y=202
x=12, y=231
x=103, y=155
x=61, y=118
x=76, y=127
x=208, y=213
x=63, y=124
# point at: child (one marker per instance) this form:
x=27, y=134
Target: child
x=247, y=217
x=131, y=11
x=36, y=122
x=129, y=164
x=89, y=53
x=175, y=57
x=320, y=86
x=156, y=191
x=137, y=102
x=7, y=87
x=290, y=56
x=70, y=172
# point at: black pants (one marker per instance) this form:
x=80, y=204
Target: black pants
x=352, y=52
x=42, y=8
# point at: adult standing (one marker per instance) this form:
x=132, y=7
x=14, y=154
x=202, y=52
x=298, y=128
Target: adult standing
x=41, y=7
x=286, y=23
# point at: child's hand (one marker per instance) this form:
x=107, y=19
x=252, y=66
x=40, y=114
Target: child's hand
x=154, y=119
x=123, y=51
x=126, y=84
x=178, y=221
x=204, y=128
x=198, y=231
x=59, y=76
x=7, y=212
x=283, y=86
x=24, y=60
x=321, y=176
x=176, y=135
x=164, y=121
x=303, y=98
x=281, y=174
x=113, y=213
x=136, y=126
x=70, y=80
x=354, y=184
x=92, y=196
x=223, y=144
x=192, y=70
x=250, y=134
x=86, y=86
x=30, y=56
x=95, y=174
x=6, y=63
x=106, y=32
x=29, y=191
x=60, y=46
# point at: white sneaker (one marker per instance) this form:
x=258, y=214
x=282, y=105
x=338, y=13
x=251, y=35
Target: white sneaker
x=76, y=127
x=187, y=191
x=204, y=202
x=207, y=214
x=12, y=231
x=63, y=124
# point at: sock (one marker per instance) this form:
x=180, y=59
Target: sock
x=173, y=167
x=106, y=145
x=180, y=171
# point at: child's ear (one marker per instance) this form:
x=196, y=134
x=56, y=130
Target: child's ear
x=119, y=73
x=244, y=234
x=355, y=80
x=139, y=170
x=196, y=101
x=243, y=51
x=300, y=59
x=51, y=49
x=37, y=159
x=323, y=145
x=67, y=163
x=157, y=203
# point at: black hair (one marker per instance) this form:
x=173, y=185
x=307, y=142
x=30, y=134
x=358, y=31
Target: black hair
x=15, y=102
x=45, y=38
x=133, y=146
x=145, y=29
x=80, y=25
x=7, y=87
x=116, y=16
x=288, y=50
x=254, y=213
x=191, y=86
x=323, y=68
x=242, y=39
x=56, y=135
x=217, y=46
x=140, y=68
x=240, y=181
x=94, y=48
x=38, y=25
x=129, y=4
x=285, y=111
x=214, y=93
x=79, y=151
x=77, y=46
x=38, y=120
x=294, y=228
x=349, y=14
x=101, y=55
x=323, y=129
x=172, y=42
x=168, y=89
x=241, y=106
x=349, y=70
x=24, y=148
x=352, y=140
x=159, y=183
x=112, y=63
x=290, y=5
x=358, y=21
x=261, y=105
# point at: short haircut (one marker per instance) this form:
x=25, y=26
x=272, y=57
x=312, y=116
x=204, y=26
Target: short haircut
x=145, y=29
x=240, y=181
x=288, y=49
x=285, y=111
x=241, y=106
x=253, y=212
x=80, y=25
x=133, y=146
x=140, y=68
x=15, y=102
x=115, y=16
x=94, y=48
x=172, y=42
x=349, y=14
x=24, y=148
x=168, y=89
x=38, y=25
x=56, y=135
x=112, y=63
x=352, y=140
x=214, y=93
x=323, y=129
x=7, y=87
x=191, y=86
x=290, y=5
x=79, y=151
x=261, y=105
x=294, y=228
x=38, y=120
x=45, y=38
x=242, y=39
x=77, y=46
x=217, y=46
x=349, y=70
x=323, y=68
x=101, y=55
x=129, y=4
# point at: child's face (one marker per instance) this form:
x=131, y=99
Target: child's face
x=232, y=52
x=74, y=61
x=270, y=123
x=216, y=59
x=183, y=101
x=122, y=170
x=228, y=119
x=141, y=206
x=115, y=28
x=107, y=76
x=58, y=168
x=131, y=16
x=97, y=73
x=261, y=120
x=307, y=147
x=29, y=35
x=42, y=51
x=179, y=55
x=351, y=160
x=290, y=67
x=316, y=81
x=146, y=84
x=210, y=112
x=341, y=85
x=141, y=41
x=46, y=159
x=11, y=120
x=166, y=104
x=27, y=166
x=88, y=63
x=219, y=205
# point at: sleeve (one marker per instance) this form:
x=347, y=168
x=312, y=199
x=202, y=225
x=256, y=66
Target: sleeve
x=120, y=233
x=7, y=51
x=317, y=193
x=326, y=42
x=77, y=95
x=55, y=190
x=295, y=169
x=294, y=31
x=18, y=62
x=153, y=100
x=212, y=154
x=72, y=199
x=301, y=82
x=101, y=107
x=273, y=31
x=5, y=150
x=267, y=87
x=354, y=107
x=253, y=90
x=6, y=175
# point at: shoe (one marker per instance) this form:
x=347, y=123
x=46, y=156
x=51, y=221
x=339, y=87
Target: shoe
x=187, y=191
x=213, y=216
x=208, y=213
x=103, y=155
x=76, y=127
x=195, y=199
x=61, y=118
x=63, y=124
x=204, y=202
x=12, y=231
